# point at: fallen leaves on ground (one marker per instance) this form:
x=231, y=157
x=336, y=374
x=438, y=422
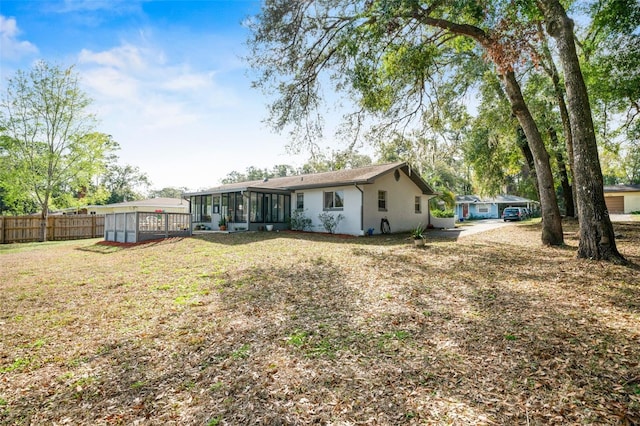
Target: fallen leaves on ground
x=286, y=328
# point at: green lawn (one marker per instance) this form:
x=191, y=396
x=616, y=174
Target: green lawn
x=286, y=328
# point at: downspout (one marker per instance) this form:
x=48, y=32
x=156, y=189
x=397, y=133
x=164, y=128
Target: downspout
x=361, y=208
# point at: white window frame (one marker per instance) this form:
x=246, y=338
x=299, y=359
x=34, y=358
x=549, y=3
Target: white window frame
x=299, y=199
x=336, y=200
x=382, y=201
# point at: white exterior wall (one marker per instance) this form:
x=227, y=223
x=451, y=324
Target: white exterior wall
x=400, y=204
x=632, y=202
x=314, y=205
x=400, y=210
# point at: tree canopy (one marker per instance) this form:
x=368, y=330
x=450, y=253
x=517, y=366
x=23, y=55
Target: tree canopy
x=48, y=137
x=402, y=62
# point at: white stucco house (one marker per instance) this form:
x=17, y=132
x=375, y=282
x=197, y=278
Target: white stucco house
x=363, y=196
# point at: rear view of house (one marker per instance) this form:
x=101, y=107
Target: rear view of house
x=362, y=196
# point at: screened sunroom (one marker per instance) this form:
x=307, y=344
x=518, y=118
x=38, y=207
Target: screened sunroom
x=247, y=209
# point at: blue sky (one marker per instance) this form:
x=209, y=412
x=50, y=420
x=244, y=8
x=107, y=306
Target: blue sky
x=166, y=77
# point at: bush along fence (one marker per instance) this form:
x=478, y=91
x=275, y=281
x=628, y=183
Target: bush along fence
x=23, y=229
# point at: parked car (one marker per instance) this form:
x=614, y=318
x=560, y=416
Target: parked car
x=513, y=213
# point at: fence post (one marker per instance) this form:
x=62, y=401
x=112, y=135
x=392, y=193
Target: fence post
x=51, y=228
x=1, y=229
x=166, y=225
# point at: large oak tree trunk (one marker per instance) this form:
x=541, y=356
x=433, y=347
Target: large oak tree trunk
x=551, y=219
x=523, y=144
x=597, y=239
x=568, y=136
x=553, y=73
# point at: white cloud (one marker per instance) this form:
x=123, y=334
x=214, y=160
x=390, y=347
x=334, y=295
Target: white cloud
x=189, y=81
x=157, y=108
x=12, y=48
x=109, y=83
x=142, y=77
x=126, y=57
x=96, y=5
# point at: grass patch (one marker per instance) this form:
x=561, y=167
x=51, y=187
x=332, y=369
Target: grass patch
x=242, y=352
x=18, y=364
x=47, y=245
x=214, y=421
x=298, y=338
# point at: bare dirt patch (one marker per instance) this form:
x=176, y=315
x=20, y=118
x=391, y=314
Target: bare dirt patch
x=292, y=328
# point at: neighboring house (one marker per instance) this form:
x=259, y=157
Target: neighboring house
x=475, y=207
x=152, y=205
x=364, y=196
x=622, y=198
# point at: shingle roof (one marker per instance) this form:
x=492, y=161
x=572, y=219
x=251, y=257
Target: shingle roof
x=360, y=175
x=621, y=188
x=498, y=199
x=152, y=202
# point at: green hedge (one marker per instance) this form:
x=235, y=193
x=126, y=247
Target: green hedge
x=442, y=213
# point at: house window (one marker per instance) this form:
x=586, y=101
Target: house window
x=216, y=204
x=277, y=210
x=483, y=209
x=382, y=200
x=239, y=212
x=224, y=203
x=201, y=208
x=206, y=208
x=300, y=201
x=418, y=204
x=269, y=208
x=233, y=207
x=257, y=205
x=334, y=200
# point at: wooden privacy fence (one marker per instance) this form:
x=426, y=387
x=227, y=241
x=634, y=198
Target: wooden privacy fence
x=22, y=229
